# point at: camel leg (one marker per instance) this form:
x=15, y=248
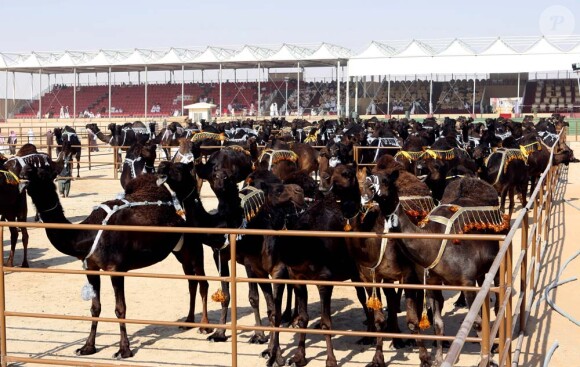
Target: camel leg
x=436, y=297
x=326, y=321
x=220, y=334
x=259, y=337
x=13, y=240
x=89, y=347
x=378, y=325
x=393, y=306
x=413, y=325
x=273, y=354
x=120, y=311
x=289, y=313
x=504, y=192
x=512, y=191
x=79, y=165
x=361, y=294
x=24, y=244
x=299, y=357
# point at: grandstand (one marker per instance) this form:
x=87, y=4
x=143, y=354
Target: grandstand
x=425, y=77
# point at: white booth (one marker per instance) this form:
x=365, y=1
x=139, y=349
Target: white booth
x=200, y=111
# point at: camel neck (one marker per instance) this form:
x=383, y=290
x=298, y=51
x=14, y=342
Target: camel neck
x=420, y=251
x=71, y=242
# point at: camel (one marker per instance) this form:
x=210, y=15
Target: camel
x=13, y=208
x=140, y=159
x=376, y=260
x=145, y=204
x=25, y=154
x=169, y=137
x=461, y=262
x=69, y=134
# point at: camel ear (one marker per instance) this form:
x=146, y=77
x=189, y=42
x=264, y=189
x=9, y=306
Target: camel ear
x=394, y=176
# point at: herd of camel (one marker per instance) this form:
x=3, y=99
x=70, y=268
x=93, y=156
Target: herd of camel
x=432, y=177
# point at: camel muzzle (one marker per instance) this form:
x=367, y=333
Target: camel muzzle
x=22, y=184
x=161, y=180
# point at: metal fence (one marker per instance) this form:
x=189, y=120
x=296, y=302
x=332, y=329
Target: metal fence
x=502, y=331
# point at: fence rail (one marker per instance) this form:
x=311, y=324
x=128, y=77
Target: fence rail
x=534, y=239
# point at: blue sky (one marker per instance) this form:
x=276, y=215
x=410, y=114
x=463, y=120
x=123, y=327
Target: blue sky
x=44, y=25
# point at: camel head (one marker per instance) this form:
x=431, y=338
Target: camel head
x=179, y=176
x=343, y=179
x=93, y=127
x=382, y=189
x=433, y=169
x=38, y=174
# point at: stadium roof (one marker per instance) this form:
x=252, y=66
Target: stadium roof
x=438, y=56
x=287, y=55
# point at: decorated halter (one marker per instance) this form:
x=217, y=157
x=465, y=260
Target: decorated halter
x=530, y=148
x=463, y=220
x=410, y=156
x=445, y=155
x=183, y=158
x=131, y=163
x=206, y=136
x=507, y=156
x=34, y=159
x=88, y=292
x=10, y=177
x=239, y=149
x=276, y=156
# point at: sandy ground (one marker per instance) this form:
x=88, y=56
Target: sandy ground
x=167, y=300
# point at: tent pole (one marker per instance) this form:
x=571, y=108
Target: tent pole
x=347, y=107
x=338, y=111
x=146, y=102
x=356, y=94
x=40, y=92
x=517, y=111
x=110, y=93
x=13, y=86
x=431, y=97
x=74, y=94
x=389, y=96
x=6, y=96
x=182, y=88
x=473, y=103
x=298, y=96
x=259, y=93
x=221, y=109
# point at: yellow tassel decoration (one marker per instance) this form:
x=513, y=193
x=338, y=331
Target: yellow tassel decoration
x=347, y=226
x=374, y=303
x=424, y=323
x=218, y=296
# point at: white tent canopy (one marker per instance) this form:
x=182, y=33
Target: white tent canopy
x=459, y=58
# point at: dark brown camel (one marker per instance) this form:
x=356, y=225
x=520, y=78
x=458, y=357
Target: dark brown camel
x=69, y=134
x=326, y=259
x=140, y=159
x=111, y=250
x=13, y=208
x=377, y=260
x=460, y=263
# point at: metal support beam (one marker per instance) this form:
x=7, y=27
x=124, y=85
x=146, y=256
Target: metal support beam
x=6, y=96
x=298, y=96
x=431, y=96
x=220, y=79
x=110, y=92
x=146, y=102
x=389, y=96
x=74, y=93
x=347, y=106
x=518, y=100
x=356, y=94
x=182, y=89
x=259, y=92
x=40, y=92
x=338, y=88
x=473, y=102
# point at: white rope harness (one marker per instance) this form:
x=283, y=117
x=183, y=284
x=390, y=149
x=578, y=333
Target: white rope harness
x=131, y=163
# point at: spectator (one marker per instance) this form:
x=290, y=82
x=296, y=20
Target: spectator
x=12, y=141
x=61, y=114
x=63, y=178
x=252, y=109
x=2, y=146
x=66, y=113
x=31, y=136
